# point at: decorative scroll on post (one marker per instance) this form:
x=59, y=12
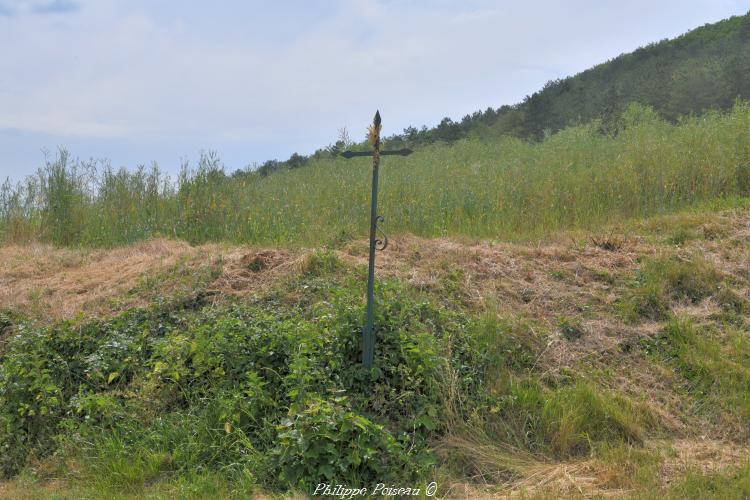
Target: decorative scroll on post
x=368, y=336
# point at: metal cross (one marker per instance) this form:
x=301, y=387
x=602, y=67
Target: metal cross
x=368, y=336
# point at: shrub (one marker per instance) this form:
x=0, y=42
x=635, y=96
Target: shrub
x=325, y=442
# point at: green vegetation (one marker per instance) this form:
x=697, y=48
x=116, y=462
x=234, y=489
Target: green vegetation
x=201, y=395
x=664, y=279
x=714, y=365
x=508, y=189
x=270, y=394
x=266, y=394
x=704, y=69
x=698, y=484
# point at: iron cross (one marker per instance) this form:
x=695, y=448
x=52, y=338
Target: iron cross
x=368, y=336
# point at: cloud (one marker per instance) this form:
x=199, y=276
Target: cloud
x=7, y=8
x=11, y=8
x=56, y=7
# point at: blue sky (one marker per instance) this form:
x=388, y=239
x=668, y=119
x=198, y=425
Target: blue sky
x=141, y=81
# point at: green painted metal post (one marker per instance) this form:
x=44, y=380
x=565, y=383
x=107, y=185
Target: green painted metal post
x=368, y=335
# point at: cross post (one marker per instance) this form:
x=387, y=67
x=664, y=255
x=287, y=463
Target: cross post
x=368, y=335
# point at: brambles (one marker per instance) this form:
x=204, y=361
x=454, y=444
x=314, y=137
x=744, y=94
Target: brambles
x=273, y=391
x=325, y=441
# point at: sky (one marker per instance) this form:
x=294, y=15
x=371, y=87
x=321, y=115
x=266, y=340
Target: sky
x=137, y=81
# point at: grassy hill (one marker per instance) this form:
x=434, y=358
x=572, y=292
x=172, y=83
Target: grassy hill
x=604, y=363
x=706, y=68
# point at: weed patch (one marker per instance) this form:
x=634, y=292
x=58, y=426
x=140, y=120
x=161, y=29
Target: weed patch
x=664, y=279
x=563, y=421
x=569, y=328
x=731, y=301
x=698, y=484
x=320, y=263
x=717, y=373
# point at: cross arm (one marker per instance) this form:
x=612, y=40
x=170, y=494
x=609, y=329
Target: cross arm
x=399, y=152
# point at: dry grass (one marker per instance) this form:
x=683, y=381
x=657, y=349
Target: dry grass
x=49, y=283
x=704, y=454
x=598, y=478
x=52, y=283
x=568, y=275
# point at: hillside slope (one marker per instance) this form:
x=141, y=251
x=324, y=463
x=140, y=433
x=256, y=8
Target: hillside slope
x=706, y=68
x=607, y=363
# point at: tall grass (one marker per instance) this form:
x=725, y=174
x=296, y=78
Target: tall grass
x=507, y=188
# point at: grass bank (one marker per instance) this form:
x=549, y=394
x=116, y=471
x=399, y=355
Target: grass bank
x=616, y=365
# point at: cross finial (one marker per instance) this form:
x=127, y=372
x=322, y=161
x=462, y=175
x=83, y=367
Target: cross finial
x=374, y=132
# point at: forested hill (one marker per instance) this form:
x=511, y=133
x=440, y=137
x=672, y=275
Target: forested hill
x=706, y=68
